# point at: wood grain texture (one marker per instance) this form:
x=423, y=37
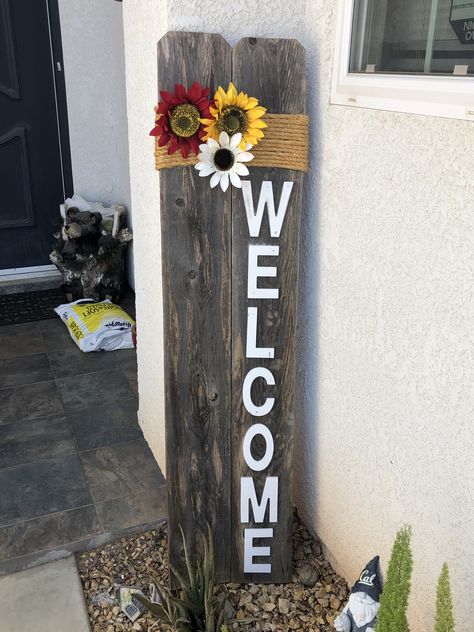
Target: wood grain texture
x=273, y=70
x=195, y=223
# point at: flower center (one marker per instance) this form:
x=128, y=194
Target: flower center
x=184, y=120
x=224, y=159
x=232, y=120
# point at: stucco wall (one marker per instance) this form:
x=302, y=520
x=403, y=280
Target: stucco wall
x=94, y=66
x=386, y=383
x=385, y=309
x=144, y=23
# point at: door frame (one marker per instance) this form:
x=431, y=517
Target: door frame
x=57, y=66
x=57, y=63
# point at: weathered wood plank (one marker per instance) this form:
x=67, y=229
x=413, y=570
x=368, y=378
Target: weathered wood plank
x=195, y=225
x=274, y=72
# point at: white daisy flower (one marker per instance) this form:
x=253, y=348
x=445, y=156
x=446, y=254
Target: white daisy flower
x=223, y=160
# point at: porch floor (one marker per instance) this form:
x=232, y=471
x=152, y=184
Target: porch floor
x=75, y=470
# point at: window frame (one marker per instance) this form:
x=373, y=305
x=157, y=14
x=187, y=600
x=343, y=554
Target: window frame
x=432, y=95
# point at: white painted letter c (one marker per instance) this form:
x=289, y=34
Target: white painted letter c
x=252, y=375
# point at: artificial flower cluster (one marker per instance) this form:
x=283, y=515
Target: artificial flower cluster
x=220, y=131
x=224, y=160
x=179, y=115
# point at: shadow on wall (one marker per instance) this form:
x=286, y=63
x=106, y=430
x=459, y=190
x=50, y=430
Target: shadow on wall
x=307, y=342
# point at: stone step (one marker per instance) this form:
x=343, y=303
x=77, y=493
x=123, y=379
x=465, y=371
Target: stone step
x=31, y=284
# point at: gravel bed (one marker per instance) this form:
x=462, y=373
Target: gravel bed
x=310, y=603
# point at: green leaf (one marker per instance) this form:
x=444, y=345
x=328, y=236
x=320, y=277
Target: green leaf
x=197, y=608
x=154, y=608
x=392, y=615
x=444, y=603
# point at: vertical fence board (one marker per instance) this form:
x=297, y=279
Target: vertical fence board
x=195, y=224
x=274, y=72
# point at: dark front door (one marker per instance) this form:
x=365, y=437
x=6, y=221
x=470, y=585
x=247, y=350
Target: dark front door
x=31, y=169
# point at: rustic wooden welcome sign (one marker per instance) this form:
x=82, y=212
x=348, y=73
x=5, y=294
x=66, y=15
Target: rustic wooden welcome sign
x=230, y=263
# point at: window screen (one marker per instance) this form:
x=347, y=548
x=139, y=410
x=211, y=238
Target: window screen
x=413, y=36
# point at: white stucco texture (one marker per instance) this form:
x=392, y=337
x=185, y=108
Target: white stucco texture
x=94, y=67
x=385, y=395
x=144, y=24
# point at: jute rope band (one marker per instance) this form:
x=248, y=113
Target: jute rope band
x=285, y=146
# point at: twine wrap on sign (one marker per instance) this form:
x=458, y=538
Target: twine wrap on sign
x=284, y=146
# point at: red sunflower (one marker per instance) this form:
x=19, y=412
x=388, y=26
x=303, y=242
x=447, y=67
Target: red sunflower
x=178, y=118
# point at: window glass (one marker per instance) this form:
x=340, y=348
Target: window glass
x=413, y=36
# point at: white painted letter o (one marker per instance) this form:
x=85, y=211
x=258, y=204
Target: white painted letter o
x=253, y=431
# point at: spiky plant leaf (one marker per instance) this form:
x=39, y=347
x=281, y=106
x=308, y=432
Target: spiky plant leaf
x=196, y=607
x=170, y=614
x=156, y=609
x=189, y=567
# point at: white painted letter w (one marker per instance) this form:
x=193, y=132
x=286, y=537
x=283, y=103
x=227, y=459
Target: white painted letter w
x=266, y=198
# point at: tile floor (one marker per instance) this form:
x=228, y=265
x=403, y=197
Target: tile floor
x=74, y=467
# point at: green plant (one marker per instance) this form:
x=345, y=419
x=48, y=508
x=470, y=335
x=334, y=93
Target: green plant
x=444, y=603
x=195, y=607
x=392, y=615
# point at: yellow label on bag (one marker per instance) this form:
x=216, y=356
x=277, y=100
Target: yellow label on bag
x=74, y=328
x=93, y=314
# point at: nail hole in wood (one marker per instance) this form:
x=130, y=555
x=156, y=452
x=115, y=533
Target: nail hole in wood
x=180, y=202
x=213, y=396
x=192, y=274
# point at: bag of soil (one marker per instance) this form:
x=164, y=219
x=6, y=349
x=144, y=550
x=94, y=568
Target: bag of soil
x=97, y=326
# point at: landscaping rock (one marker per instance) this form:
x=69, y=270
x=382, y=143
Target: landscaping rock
x=283, y=606
x=140, y=559
x=308, y=575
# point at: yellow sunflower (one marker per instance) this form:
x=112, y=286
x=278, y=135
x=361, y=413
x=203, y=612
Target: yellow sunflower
x=235, y=113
